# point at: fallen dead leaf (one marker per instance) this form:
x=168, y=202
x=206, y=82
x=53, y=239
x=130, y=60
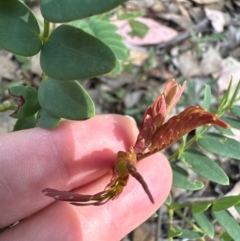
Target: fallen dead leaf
x=182, y=21
x=217, y=19
x=211, y=61
x=138, y=56
x=157, y=7
x=162, y=73
x=207, y=1
x=156, y=34
x=142, y=233
x=183, y=10
x=132, y=99
x=188, y=64
x=229, y=67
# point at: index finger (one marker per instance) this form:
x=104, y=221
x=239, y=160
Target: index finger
x=67, y=157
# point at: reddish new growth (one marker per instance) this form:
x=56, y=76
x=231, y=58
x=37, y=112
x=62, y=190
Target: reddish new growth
x=21, y=102
x=155, y=134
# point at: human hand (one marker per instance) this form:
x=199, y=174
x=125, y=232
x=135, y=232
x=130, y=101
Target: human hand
x=79, y=156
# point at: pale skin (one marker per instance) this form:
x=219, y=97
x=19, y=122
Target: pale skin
x=75, y=156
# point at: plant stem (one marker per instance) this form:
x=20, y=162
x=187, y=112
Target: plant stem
x=46, y=30
x=7, y=106
x=170, y=214
x=188, y=144
x=195, y=227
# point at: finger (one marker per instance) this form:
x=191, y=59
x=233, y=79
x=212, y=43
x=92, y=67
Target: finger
x=109, y=222
x=69, y=156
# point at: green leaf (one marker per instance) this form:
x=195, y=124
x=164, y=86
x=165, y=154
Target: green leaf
x=235, y=94
x=207, y=97
x=95, y=26
x=60, y=11
x=131, y=15
x=204, y=223
x=189, y=234
x=174, y=232
x=168, y=201
x=199, y=207
x=65, y=99
x=70, y=53
x=204, y=166
x=118, y=68
x=236, y=110
x=28, y=101
x=47, y=121
x=226, y=97
x=138, y=29
x=228, y=223
x=224, y=131
x=155, y=215
x=226, y=237
x=181, y=180
x=109, y=97
x=106, y=32
x=24, y=61
x=23, y=124
x=220, y=145
x=225, y=203
x=213, y=37
x=234, y=123
x=19, y=29
x=237, y=207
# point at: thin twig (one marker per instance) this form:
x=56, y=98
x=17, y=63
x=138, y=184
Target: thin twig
x=164, y=47
x=159, y=225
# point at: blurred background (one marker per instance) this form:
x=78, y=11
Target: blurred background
x=193, y=40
